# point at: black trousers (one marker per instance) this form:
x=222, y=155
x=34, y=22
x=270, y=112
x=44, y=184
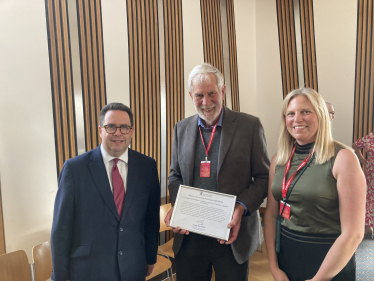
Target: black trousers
x=197, y=256
x=302, y=254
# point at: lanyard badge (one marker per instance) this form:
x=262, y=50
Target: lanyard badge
x=205, y=165
x=285, y=185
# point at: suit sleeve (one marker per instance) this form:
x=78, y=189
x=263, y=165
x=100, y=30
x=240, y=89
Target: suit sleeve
x=62, y=227
x=254, y=195
x=175, y=176
x=152, y=218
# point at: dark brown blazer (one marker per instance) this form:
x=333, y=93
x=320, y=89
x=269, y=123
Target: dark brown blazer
x=243, y=165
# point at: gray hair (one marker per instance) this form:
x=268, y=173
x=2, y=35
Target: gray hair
x=115, y=106
x=201, y=72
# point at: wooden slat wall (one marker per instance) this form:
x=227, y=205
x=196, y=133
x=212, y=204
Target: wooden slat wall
x=212, y=33
x=364, y=85
x=174, y=71
x=287, y=45
x=233, y=55
x=92, y=67
x=2, y=236
x=61, y=80
x=142, y=16
x=309, y=50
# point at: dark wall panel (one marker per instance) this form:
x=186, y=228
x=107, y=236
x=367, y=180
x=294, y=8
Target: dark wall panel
x=92, y=67
x=61, y=80
x=142, y=16
x=364, y=84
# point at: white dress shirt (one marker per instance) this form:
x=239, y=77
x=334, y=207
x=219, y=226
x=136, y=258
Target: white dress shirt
x=122, y=165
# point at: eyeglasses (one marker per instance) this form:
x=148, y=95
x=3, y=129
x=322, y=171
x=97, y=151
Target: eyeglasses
x=332, y=113
x=111, y=129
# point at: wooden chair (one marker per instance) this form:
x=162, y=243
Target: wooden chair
x=167, y=248
x=164, y=251
x=42, y=258
x=15, y=266
x=163, y=264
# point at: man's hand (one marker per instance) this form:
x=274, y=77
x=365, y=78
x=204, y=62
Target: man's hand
x=150, y=268
x=175, y=230
x=234, y=224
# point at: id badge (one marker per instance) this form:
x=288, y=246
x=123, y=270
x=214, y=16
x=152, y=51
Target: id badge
x=205, y=169
x=287, y=210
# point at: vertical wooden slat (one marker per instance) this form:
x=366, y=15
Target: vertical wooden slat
x=84, y=73
x=288, y=44
x=371, y=90
x=367, y=71
x=286, y=51
x=363, y=64
x=312, y=45
x=295, y=85
x=232, y=55
x=281, y=47
x=358, y=68
x=100, y=54
x=2, y=236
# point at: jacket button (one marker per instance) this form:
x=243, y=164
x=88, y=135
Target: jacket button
x=121, y=229
x=120, y=253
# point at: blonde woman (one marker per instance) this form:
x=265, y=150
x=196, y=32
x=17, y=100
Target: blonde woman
x=324, y=188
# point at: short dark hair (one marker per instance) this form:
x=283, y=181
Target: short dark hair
x=115, y=106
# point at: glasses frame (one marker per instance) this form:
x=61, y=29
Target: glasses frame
x=129, y=128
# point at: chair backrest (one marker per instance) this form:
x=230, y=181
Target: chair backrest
x=15, y=266
x=164, y=209
x=42, y=257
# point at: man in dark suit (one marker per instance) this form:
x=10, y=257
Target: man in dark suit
x=238, y=165
x=106, y=216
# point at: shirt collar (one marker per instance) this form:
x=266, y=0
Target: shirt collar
x=107, y=157
x=200, y=123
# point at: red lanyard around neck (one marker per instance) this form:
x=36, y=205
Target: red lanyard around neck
x=211, y=137
x=286, y=185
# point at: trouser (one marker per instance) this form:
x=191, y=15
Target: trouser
x=198, y=254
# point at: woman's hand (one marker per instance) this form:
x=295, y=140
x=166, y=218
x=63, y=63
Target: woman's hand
x=279, y=275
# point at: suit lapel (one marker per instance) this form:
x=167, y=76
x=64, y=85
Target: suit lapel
x=101, y=180
x=227, y=133
x=189, y=146
x=132, y=179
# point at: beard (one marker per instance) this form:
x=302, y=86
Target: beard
x=212, y=116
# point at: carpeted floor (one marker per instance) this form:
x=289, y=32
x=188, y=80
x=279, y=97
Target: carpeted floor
x=365, y=260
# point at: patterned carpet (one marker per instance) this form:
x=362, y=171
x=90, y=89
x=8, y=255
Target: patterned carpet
x=365, y=260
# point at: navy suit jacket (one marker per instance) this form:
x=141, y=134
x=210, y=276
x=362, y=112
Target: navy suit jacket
x=89, y=240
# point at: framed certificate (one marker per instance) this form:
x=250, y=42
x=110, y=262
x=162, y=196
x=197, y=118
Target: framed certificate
x=204, y=212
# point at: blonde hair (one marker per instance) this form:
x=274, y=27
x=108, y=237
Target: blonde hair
x=324, y=143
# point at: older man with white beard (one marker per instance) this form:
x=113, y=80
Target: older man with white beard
x=235, y=147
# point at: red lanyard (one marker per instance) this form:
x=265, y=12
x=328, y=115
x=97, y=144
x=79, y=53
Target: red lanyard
x=211, y=137
x=285, y=185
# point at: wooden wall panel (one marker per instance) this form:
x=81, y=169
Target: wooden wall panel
x=212, y=33
x=233, y=55
x=92, y=67
x=174, y=71
x=61, y=80
x=308, y=43
x=142, y=16
x=2, y=236
x=364, y=84
x=287, y=45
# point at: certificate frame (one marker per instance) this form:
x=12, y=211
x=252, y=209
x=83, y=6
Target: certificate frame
x=211, y=202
